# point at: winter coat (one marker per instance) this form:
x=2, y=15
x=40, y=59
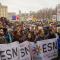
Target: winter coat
x=3, y=40
x=39, y=38
x=19, y=39
x=49, y=36
x=58, y=34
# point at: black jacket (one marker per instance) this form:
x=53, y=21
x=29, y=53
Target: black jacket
x=58, y=34
x=49, y=36
x=39, y=38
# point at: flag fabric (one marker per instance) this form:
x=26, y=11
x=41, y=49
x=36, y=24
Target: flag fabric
x=23, y=18
x=17, y=18
x=34, y=19
x=54, y=17
x=20, y=19
x=13, y=17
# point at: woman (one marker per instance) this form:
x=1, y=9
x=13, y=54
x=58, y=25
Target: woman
x=23, y=35
x=18, y=37
x=37, y=32
x=34, y=35
x=29, y=37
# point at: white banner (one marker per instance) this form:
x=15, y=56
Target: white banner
x=45, y=50
x=9, y=51
x=25, y=51
x=42, y=50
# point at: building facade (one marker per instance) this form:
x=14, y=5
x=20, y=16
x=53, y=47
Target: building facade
x=3, y=11
x=10, y=14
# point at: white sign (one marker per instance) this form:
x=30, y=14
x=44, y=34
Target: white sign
x=25, y=51
x=9, y=51
x=45, y=50
x=42, y=50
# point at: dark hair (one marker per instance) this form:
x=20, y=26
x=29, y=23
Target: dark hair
x=33, y=36
x=26, y=38
x=15, y=35
x=15, y=27
x=1, y=28
x=4, y=25
x=15, y=32
x=50, y=30
x=39, y=31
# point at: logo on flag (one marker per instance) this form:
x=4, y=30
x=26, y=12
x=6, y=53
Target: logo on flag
x=37, y=50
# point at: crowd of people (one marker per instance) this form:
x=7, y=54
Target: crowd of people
x=33, y=31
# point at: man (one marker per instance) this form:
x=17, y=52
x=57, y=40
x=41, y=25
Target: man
x=41, y=36
x=52, y=34
x=2, y=38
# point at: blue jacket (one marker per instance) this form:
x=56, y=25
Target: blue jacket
x=58, y=43
x=10, y=39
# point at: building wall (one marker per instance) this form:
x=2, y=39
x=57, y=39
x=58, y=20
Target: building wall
x=10, y=15
x=3, y=11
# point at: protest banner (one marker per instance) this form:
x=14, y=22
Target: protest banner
x=45, y=50
x=54, y=17
x=25, y=51
x=42, y=50
x=9, y=51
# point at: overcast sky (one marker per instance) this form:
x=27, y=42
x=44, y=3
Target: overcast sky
x=27, y=5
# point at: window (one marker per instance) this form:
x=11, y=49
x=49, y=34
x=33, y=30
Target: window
x=3, y=14
x=5, y=10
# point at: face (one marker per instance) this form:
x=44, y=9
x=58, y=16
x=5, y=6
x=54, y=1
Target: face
x=18, y=33
x=20, y=29
x=22, y=32
x=37, y=31
x=42, y=32
x=52, y=32
x=29, y=36
x=17, y=28
x=1, y=31
x=59, y=30
x=7, y=27
x=34, y=32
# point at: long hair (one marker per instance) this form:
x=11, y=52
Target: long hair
x=15, y=35
x=26, y=38
x=33, y=36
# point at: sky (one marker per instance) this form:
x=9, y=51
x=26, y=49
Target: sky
x=28, y=5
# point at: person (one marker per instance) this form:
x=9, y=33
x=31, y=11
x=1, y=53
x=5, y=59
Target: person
x=23, y=35
x=37, y=32
x=28, y=37
x=52, y=34
x=58, y=32
x=10, y=35
x=41, y=36
x=2, y=37
x=5, y=30
x=17, y=37
x=34, y=35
